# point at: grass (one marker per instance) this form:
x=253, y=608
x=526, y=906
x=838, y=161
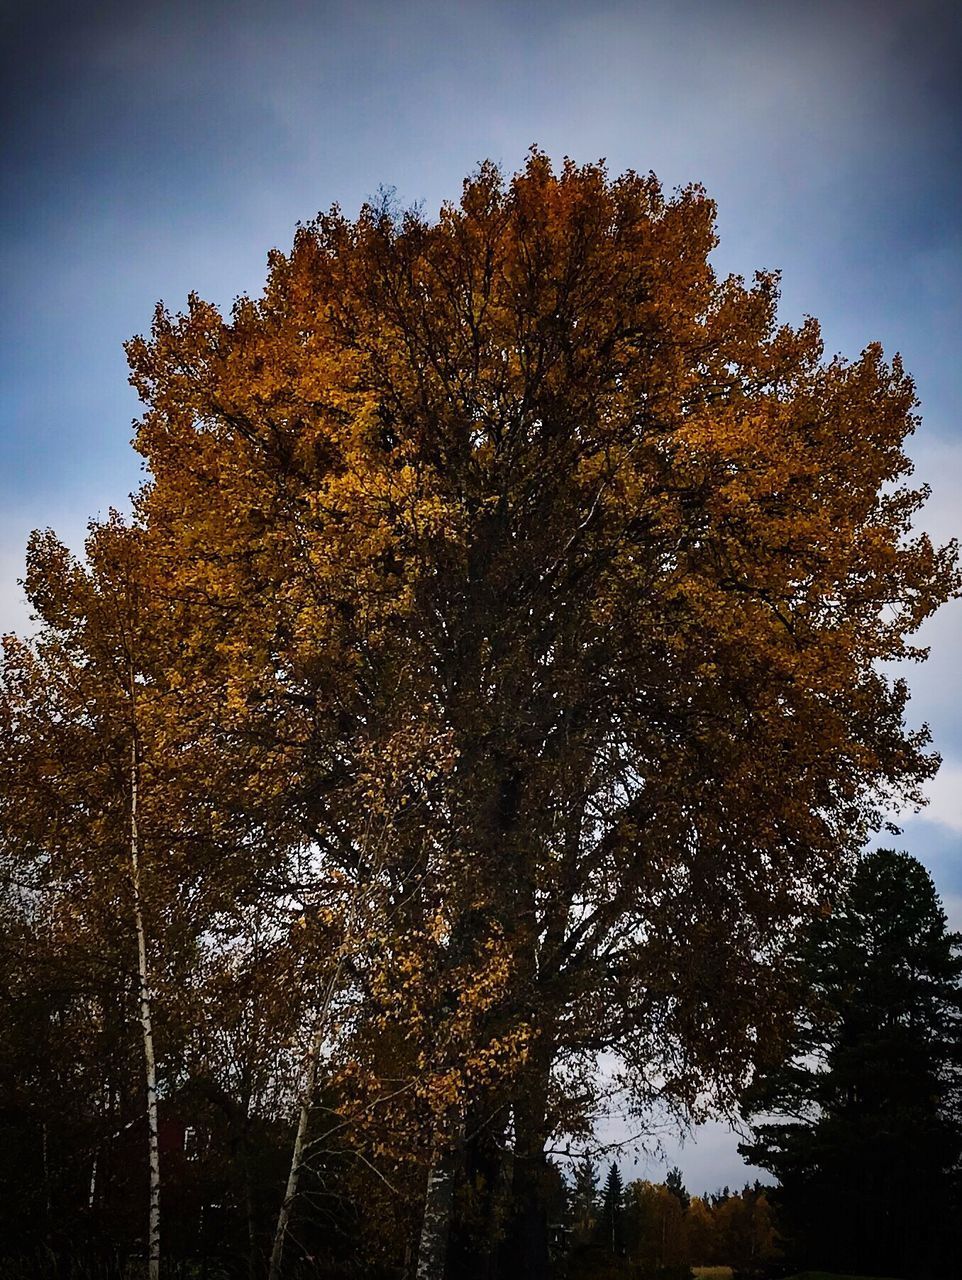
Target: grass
x=832, y=1275
x=725, y=1273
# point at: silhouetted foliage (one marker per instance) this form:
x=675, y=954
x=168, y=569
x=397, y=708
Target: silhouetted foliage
x=865, y=1137
x=676, y=1186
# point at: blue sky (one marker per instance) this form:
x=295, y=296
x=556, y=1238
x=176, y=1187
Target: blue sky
x=152, y=148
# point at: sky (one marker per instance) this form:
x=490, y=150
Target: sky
x=157, y=147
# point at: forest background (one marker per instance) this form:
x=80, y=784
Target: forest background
x=154, y=149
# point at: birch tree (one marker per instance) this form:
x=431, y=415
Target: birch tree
x=146, y=1000
x=75, y=763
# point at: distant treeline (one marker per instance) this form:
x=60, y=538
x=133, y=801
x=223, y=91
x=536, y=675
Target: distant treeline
x=647, y=1229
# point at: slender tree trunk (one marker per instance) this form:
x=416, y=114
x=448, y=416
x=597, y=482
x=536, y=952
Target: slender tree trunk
x=95, y=1161
x=45, y=1155
x=252, y=1267
x=297, y=1156
x=147, y=1028
x=438, y=1202
x=526, y=1252
x=300, y=1138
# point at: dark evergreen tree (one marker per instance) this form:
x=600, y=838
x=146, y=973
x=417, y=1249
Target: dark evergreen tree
x=676, y=1185
x=611, y=1224
x=864, y=1133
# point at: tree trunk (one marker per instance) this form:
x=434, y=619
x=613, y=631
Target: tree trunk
x=303, y=1119
x=526, y=1246
x=297, y=1157
x=45, y=1157
x=438, y=1201
x=473, y=1247
x=528, y=1241
x=252, y=1265
x=147, y=1028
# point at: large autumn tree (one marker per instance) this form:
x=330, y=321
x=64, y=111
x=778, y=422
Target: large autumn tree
x=626, y=553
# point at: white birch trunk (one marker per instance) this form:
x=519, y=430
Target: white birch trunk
x=300, y=1138
x=309, y=1091
x=147, y=1028
x=438, y=1199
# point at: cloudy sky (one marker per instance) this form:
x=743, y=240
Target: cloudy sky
x=154, y=147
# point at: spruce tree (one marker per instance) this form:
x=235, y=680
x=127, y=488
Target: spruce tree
x=864, y=1136
x=612, y=1222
